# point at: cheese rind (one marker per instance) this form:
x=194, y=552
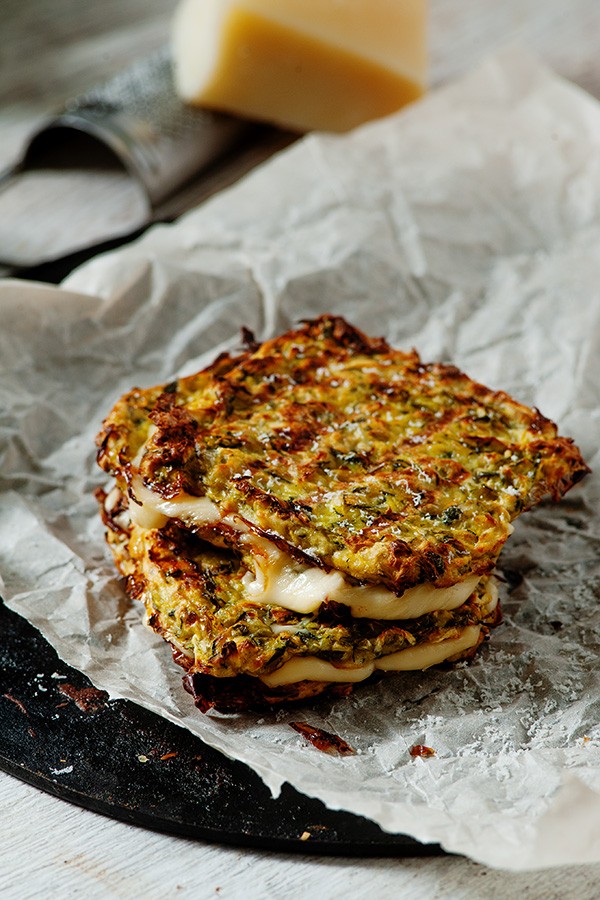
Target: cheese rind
x=303, y=64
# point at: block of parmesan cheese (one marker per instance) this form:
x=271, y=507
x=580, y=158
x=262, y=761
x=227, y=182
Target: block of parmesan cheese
x=301, y=64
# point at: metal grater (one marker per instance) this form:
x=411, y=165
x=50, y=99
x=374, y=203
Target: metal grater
x=140, y=118
x=147, y=148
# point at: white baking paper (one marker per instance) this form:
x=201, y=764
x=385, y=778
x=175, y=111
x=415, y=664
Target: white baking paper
x=468, y=227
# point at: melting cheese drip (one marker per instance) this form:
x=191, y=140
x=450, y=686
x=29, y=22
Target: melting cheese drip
x=279, y=580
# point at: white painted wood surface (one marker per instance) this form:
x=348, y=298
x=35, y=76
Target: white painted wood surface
x=53, y=50
x=51, y=849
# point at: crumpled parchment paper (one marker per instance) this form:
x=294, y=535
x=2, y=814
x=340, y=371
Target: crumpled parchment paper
x=468, y=227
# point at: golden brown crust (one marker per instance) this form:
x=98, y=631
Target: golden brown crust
x=195, y=599
x=344, y=453
x=356, y=455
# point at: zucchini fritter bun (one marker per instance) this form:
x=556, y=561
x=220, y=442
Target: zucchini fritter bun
x=319, y=508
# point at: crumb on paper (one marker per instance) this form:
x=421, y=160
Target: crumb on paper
x=323, y=740
x=421, y=751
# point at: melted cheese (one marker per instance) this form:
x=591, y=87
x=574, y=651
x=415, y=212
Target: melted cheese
x=280, y=580
x=310, y=668
x=148, y=510
x=423, y=656
x=303, y=64
x=491, y=596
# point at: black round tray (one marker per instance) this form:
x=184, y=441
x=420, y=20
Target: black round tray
x=116, y=758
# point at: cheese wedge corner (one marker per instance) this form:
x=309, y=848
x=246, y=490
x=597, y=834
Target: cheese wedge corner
x=304, y=65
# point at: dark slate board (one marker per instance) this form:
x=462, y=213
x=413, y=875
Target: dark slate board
x=116, y=758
